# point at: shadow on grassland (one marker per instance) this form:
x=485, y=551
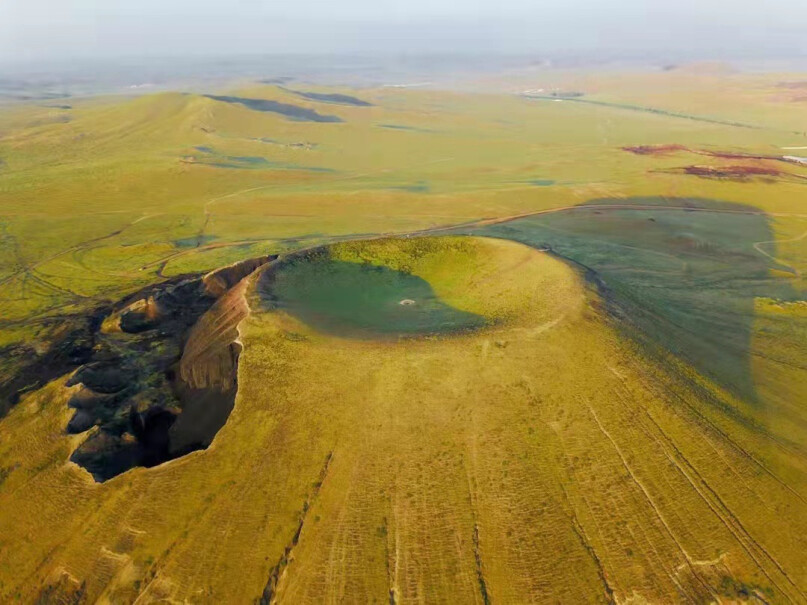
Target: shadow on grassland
x=685, y=277
x=293, y=112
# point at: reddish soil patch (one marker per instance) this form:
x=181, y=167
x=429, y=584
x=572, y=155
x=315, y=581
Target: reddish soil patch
x=734, y=173
x=656, y=149
x=674, y=147
x=729, y=155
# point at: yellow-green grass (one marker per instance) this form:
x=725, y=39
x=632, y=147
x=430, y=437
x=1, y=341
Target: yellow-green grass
x=506, y=449
x=473, y=275
x=104, y=203
x=544, y=459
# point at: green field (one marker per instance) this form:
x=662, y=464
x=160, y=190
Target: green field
x=516, y=347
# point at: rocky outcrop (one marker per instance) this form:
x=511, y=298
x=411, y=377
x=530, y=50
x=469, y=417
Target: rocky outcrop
x=161, y=379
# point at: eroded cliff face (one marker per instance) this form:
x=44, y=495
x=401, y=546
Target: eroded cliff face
x=161, y=380
x=206, y=381
x=218, y=282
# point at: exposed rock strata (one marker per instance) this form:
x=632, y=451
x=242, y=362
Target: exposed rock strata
x=161, y=379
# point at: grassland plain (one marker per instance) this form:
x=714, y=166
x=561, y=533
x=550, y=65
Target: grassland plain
x=625, y=424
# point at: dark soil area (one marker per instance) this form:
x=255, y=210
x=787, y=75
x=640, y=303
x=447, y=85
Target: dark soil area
x=27, y=368
x=127, y=386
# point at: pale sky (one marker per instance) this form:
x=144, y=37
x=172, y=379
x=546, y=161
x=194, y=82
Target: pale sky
x=62, y=29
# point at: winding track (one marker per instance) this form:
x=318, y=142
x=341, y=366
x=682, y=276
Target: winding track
x=76, y=248
x=483, y=222
x=758, y=248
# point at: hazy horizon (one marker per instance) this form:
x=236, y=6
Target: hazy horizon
x=91, y=29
